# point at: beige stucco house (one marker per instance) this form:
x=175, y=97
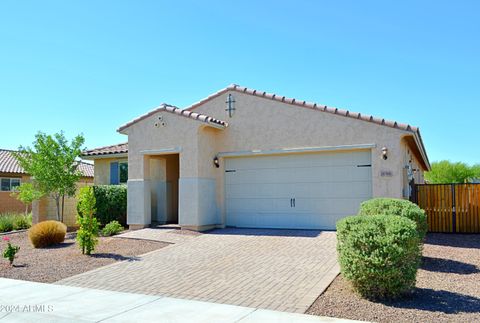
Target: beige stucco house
x=247, y=158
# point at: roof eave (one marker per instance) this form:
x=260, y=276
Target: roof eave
x=15, y=173
x=105, y=156
x=419, y=141
x=176, y=111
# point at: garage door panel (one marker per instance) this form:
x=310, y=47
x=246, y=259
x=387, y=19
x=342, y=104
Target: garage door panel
x=330, y=191
x=326, y=222
x=331, y=174
x=252, y=205
x=264, y=205
x=303, y=160
x=251, y=176
x=361, y=174
x=261, y=190
x=337, y=206
x=324, y=186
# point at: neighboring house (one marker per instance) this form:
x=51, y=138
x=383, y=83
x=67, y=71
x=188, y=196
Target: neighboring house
x=12, y=175
x=246, y=158
x=111, y=164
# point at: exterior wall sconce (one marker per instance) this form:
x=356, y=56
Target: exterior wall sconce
x=385, y=153
x=216, y=162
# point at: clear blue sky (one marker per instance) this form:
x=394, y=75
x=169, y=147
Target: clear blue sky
x=90, y=66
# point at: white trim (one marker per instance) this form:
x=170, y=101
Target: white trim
x=214, y=125
x=294, y=150
x=422, y=152
x=107, y=156
x=166, y=151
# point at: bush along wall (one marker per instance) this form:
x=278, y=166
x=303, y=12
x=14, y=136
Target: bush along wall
x=403, y=208
x=379, y=254
x=111, y=203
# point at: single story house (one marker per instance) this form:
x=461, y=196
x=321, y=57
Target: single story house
x=12, y=175
x=247, y=158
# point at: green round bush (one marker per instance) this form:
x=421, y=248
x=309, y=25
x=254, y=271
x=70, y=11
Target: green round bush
x=379, y=254
x=398, y=207
x=112, y=228
x=111, y=203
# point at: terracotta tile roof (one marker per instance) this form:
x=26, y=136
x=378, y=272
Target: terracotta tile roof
x=108, y=150
x=9, y=164
x=86, y=169
x=300, y=103
x=305, y=104
x=322, y=108
x=181, y=112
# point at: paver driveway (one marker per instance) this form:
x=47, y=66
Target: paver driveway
x=282, y=270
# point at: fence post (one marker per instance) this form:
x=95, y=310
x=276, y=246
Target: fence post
x=454, y=210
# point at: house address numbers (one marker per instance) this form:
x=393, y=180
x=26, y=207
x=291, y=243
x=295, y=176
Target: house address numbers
x=386, y=173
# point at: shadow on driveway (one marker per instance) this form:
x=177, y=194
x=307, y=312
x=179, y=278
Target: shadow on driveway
x=115, y=256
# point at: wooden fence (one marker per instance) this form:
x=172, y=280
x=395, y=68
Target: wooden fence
x=450, y=207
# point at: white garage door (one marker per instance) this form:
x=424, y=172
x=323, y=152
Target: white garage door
x=298, y=191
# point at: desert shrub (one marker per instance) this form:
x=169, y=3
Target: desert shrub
x=47, y=233
x=22, y=221
x=112, y=228
x=88, y=231
x=111, y=203
x=379, y=254
x=398, y=207
x=7, y=222
x=15, y=221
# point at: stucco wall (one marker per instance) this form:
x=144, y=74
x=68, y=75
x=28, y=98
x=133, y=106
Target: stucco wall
x=257, y=124
x=262, y=124
x=102, y=169
x=9, y=203
x=45, y=209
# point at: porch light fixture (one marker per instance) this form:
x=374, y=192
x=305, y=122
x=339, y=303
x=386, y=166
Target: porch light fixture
x=385, y=153
x=216, y=162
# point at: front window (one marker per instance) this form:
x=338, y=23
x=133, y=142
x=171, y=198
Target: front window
x=123, y=170
x=9, y=184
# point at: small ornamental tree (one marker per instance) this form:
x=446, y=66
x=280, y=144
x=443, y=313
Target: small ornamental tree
x=52, y=163
x=88, y=232
x=27, y=194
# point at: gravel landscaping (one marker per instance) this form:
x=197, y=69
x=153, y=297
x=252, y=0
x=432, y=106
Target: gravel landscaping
x=448, y=288
x=52, y=264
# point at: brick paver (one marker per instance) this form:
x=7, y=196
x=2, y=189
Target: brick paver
x=157, y=234
x=281, y=270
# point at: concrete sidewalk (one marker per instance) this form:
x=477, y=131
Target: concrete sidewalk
x=22, y=301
